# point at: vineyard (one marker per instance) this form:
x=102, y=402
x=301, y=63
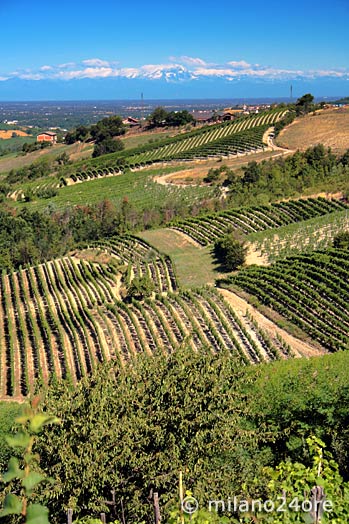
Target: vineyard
x=241, y=136
x=59, y=319
x=244, y=135
x=208, y=228
x=310, y=290
x=309, y=235
x=139, y=188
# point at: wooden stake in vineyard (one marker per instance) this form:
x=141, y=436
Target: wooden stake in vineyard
x=181, y=496
x=157, y=516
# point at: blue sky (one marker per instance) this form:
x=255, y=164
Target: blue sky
x=76, y=49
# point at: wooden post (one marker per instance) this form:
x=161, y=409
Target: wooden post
x=112, y=503
x=122, y=511
x=317, y=500
x=70, y=516
x=157, y=517
x=103, y=519
x=181, y=496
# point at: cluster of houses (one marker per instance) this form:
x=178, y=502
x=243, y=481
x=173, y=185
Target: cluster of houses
x=201, y=117
x=209, y=116
x=227, y=114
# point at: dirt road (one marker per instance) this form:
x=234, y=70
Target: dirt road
x=299, y=347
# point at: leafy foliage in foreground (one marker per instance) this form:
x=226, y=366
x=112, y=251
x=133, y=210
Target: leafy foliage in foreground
x=208, y=416
x=23, y=476
x=9, y=411
x=134, y=431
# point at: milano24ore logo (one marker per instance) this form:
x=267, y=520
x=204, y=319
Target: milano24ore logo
x=312, y=508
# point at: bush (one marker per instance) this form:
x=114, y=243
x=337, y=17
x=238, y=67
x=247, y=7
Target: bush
x=109, y=145
x=341, y=241
x=48, y=192
x=140, y=288
x=230, y=252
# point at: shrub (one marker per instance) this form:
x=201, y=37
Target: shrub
x=230, y=252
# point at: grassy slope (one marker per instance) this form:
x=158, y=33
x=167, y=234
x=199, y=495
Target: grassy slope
x=14, y=143
x=196, y=170
x=16, y=160
x=195, y=266
x=329, y=127
x=145, y=137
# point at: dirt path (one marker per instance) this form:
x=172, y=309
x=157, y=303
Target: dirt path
x=267, y=139
x=300, y=348
x=193, y=174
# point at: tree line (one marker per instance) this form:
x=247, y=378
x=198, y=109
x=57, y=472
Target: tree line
x=269, y=180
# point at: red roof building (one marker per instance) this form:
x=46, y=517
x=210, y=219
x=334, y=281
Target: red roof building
x=47, y=136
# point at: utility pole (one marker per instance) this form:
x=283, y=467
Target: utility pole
x=142, y=109
x=291, y=93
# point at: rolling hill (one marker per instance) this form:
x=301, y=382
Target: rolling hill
x=329, y=127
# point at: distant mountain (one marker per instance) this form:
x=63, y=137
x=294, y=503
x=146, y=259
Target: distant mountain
x=344, y=100
x=174, y=82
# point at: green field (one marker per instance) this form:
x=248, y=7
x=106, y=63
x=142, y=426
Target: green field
x=14, y=144
x=195, y=266
x=131, y=141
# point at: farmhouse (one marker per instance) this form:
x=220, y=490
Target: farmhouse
x=130, y=121
x=47, y=136
x=204, y=117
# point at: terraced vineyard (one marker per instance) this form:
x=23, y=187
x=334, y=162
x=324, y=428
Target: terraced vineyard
x=243, y=135
x=142, y=260
x=310, y=290
x=47, y=326
x=36, y=189
x=208, y=228
x=300, y=237
x=62, y=317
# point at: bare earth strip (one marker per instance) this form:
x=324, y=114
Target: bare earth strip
x=194, y=172
x=300, y=348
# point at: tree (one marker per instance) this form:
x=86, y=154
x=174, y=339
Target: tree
x=133, y=429
x=108, y=128
x=108, y=145
x=212, y=175
x=252, y=173
x=140, y=288
x=179, y=118
x=304, y=104
x=345, y=158
x=81, y=133
x=158, y=117
x=70, y=137
x=341, y=241
x=63, y=159
x=230, y=252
